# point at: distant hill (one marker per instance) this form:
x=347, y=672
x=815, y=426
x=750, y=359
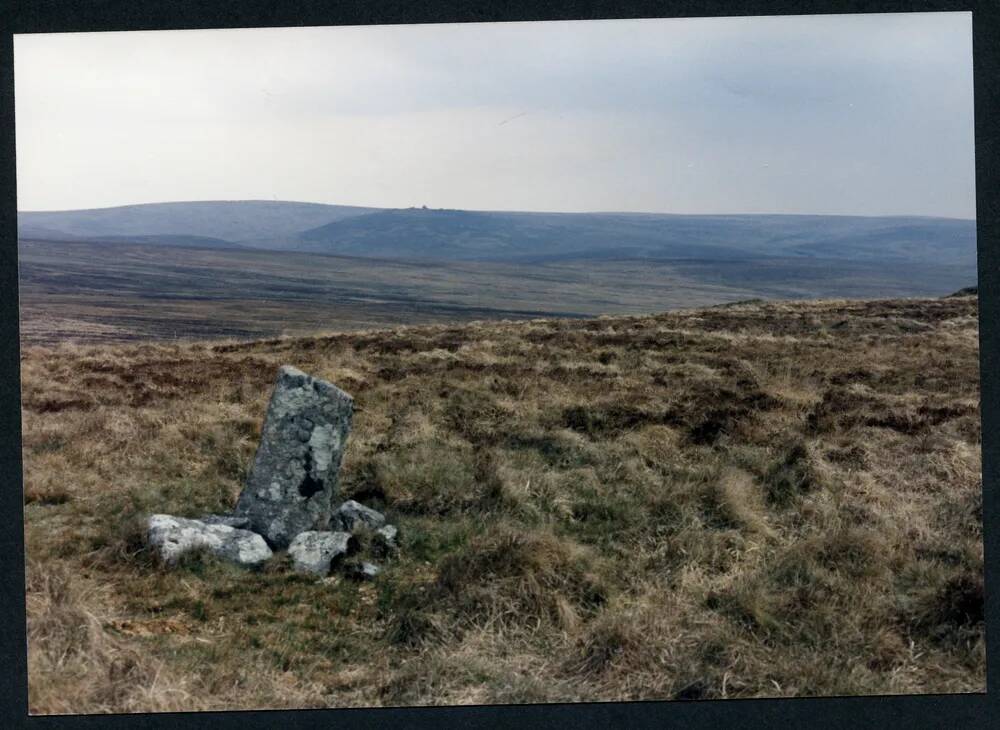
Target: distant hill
x=462, y=235
x=231, y=221
x=500, y=236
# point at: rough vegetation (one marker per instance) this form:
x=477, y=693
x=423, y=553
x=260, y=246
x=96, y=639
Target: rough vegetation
x=752, y=500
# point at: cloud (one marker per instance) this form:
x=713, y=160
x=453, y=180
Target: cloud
x=867, y=114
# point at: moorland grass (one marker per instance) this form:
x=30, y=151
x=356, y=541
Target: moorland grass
x=767, y=499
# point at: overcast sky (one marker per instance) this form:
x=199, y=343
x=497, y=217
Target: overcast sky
x=849, y=114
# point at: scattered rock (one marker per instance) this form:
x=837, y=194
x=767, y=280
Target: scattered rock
x=294, y=476
x=351, y=515
x=362, y=571
x=383, y=544
x=388, y=534
x=240, y=523
x=174, y=536
x=317, y=552
x=288, y=497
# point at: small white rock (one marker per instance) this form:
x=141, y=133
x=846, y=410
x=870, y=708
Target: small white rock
x=388, y=533
x=351, y=515
x=315, y=552
x=363, y=571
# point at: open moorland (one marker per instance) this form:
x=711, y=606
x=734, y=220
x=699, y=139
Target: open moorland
x=128, y=290
x=763, y=499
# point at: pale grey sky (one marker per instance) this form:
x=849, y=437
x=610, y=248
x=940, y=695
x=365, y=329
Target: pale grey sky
x=851, y=114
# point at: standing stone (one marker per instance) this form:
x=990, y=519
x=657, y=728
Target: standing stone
x=240, y=523
x=173, y=536
x=294, y=475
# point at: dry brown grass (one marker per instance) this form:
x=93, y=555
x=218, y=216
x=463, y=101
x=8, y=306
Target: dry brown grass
x=760, y=500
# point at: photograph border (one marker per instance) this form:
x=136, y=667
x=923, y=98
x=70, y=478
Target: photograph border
x=916, y=711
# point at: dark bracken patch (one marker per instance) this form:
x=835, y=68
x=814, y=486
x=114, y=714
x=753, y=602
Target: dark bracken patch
x=596, y=421
x=708, y=430
x=694, y=691
x=961, y=601
x=556, y=452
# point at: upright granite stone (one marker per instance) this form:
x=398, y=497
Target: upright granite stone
x=293, y=479
x=240, y=523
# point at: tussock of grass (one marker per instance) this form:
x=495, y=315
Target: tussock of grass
x=509, y=576
x=739, y=500
x=76, y=659
x=778, y=499
x=793, y=475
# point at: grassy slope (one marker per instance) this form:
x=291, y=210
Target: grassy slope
x=759, y=500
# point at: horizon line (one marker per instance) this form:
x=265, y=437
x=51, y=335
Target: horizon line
x=375, y=208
